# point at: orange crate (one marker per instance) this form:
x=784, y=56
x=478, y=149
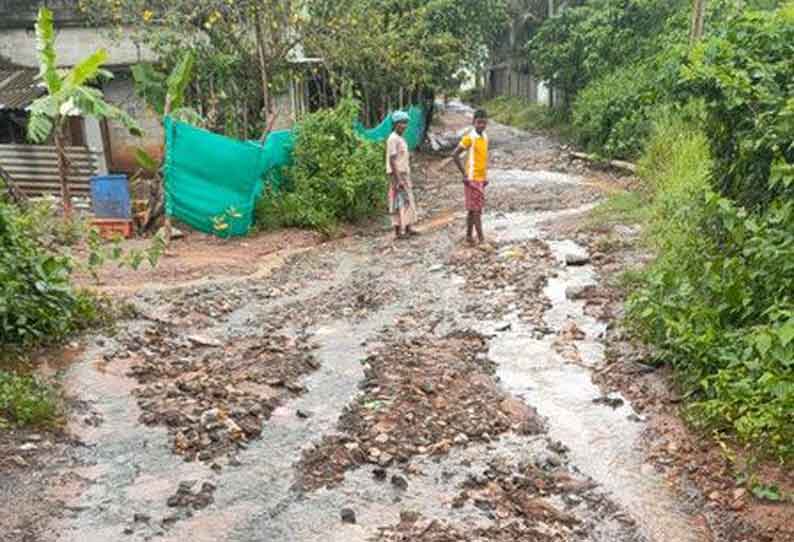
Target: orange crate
x=110, y=227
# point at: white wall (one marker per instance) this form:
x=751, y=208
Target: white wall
x=71, y=45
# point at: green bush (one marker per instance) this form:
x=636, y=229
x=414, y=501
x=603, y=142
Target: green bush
x=25, y=400
x=37, y=301
x=611, y=116
x=745, y=75
x=336, y=175
x=588, y=41
x=718, y=302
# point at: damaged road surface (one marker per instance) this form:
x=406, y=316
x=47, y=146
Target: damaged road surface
x=370, y=390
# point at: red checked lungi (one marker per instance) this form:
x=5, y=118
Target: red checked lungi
x=474, y=193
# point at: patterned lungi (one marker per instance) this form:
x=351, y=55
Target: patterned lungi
x=474, y=195
x=402, y=206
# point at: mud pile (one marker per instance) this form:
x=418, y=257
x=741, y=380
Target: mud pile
x=421, y=396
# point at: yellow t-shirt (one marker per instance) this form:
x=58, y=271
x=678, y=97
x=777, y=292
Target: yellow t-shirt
x=477, y=161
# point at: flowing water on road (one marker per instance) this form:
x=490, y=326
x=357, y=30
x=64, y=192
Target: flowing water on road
x=127, y=468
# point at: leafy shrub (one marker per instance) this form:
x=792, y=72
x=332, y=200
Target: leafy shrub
x=718, y=302
x=744, y=73
x=336, y=176
x=588, y=41
x=612, y=115
x=37, y=301
x=26, y=400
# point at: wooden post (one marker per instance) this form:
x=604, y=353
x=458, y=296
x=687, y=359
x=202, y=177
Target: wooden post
x=698, y=16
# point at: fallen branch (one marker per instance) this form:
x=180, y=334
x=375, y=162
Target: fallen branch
x=13, y=190
x=617, y=164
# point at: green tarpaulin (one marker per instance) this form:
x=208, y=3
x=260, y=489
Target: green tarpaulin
x=212, y=182
x=413, y=134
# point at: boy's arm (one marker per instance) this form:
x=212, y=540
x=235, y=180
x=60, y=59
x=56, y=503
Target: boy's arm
x=456, y=157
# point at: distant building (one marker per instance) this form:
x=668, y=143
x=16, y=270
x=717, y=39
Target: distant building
x=111, y=144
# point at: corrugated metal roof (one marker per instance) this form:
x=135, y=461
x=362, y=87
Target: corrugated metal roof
x=18, y=87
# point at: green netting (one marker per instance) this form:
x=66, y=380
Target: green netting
x=212, y=182
x=413, y=134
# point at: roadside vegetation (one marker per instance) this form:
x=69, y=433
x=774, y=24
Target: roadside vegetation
x=336, y=175
x=527, y=115
x=711, y=126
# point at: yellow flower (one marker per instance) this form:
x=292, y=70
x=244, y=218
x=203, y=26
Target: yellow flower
x=147, y=15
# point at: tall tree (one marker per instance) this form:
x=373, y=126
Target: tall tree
x=698, y=17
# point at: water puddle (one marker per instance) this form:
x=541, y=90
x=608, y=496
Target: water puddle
x=520, y=177
x=130, y=469
x=604, y=441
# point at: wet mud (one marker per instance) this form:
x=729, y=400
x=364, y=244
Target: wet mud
x=372, y=390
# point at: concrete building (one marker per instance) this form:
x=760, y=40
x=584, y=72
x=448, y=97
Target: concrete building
x=110, y=147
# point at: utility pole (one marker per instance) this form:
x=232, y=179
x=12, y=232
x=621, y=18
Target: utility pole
x=698, y=14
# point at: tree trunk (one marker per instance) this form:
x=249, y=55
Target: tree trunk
x=698, y=15
x=63, y=170
x=260, y=48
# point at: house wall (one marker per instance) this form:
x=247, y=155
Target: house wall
x=504, y=82
x=121, y=92
x=72, y=45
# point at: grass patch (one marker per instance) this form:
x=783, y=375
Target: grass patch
x=26, y=400
x=625, y=207
x=527, y=115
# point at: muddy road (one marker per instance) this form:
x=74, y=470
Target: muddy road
x=365, y=390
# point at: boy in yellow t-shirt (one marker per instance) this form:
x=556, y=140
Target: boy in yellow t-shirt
x=475, y=173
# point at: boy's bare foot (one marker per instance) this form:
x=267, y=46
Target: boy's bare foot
x=410, y=232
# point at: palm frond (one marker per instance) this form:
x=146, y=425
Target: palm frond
x=88, y=69
x=45, y=45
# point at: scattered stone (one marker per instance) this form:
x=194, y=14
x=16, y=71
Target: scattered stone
x=141, y=518
x=296, y=387
x=548, y=461
x=575, y=292
x=185, y=498
x=348, y=515
x=205, y=341
x=576, y=259
x=303, y=414
x=19, y=461
x=379, y=474
x=612, y=402
x=28, y=447
x=399, y=482
x=558, y=447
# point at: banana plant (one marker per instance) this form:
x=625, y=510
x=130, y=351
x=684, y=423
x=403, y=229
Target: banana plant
x=69, y=94
x=165, y=94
